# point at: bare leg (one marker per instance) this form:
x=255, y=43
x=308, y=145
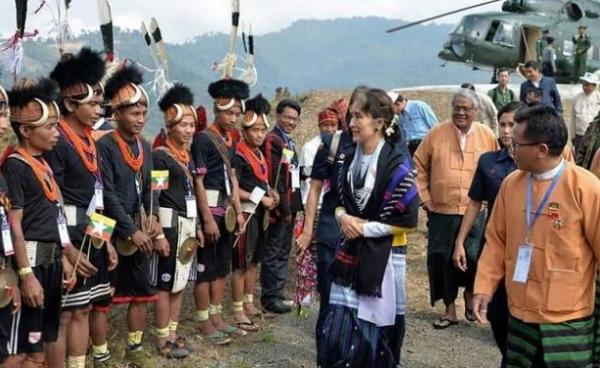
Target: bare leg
x=161, y=315
x=78, y=332
x=217, y=289
x=136, y=316
x=56, y=351
x=175, y=301
x=250, y=288
x=202, y=299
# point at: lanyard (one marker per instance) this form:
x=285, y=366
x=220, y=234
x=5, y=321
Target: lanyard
x=531, y=221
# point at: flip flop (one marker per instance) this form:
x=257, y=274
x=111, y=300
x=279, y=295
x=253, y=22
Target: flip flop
x=231, y=330
x=246, y=326
x=217, y=338
x=443, y=323
x=469, y=315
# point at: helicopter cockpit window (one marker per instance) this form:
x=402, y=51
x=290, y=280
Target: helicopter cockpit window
x=504, y=34
x=500, y=33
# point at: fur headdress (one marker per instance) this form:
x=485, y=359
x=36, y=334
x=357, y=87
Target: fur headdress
x=124, y=88
x=256, y=108
x=227, y=92
x=78, y=76
x=33, y=103
x=177, y=103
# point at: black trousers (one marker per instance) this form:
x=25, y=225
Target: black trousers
x=498, y=316
x=274, y=266
x=325, y=255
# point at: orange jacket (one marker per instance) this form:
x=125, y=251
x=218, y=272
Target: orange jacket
x=566, y=247
x=445, y=172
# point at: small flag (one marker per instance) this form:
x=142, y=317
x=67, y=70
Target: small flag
x=100, y=227
x=160, y=179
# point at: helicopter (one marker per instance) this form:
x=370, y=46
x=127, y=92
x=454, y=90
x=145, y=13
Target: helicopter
x=508, y=38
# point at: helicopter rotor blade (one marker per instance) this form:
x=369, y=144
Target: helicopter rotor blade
x=411, y=24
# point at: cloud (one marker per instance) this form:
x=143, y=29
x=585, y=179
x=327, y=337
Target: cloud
x=181, y=20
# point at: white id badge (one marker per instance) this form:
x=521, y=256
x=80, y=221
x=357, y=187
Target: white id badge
x=6, y=236
x=191, y=209
x=62, y=230
x=227, y=185
x=524, y=255
x=295, y=177
x=90, y=209
x=98, y=196
x=257, y=195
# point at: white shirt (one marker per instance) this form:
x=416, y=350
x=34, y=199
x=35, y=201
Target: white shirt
x=550, y=173
x=585, y=109
x=307, y=158
x=488, y=114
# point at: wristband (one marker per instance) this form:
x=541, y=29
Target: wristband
x=160, y=236
x=22, y=272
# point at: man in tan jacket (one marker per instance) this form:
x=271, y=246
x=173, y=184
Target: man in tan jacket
x=543, y=239
x=446, y=161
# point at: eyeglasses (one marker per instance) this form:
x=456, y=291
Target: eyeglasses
x=517, y=145
x=462, y=110
x=290, y=118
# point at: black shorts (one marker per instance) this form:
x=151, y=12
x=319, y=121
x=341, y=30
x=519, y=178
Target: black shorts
x=96, y=289
x=133, y=280
x=214, y=260
x=8, y=332
x=250, y=247
x=165, y=266
x=37, y=326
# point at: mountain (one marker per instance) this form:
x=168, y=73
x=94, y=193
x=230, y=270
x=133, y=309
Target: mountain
x=308, y=55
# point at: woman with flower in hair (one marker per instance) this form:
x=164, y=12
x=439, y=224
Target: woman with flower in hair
x=378, y=205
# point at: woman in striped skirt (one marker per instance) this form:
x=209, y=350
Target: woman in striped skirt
x=365, y=322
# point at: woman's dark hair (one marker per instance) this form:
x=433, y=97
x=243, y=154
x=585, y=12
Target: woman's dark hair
x=544, y=125
x=357, y=91
x=288, y=103
x=376, y=103
x=511, y=107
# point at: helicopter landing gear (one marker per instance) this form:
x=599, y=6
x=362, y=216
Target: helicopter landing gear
x=495, y=76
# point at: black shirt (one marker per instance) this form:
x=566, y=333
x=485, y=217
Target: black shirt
x=121, y=200
x=75, y=181
x=492, y=168
x=39, y=214
x=208, y=162
x=328, y=231
x=179, y=184
x=247, y=180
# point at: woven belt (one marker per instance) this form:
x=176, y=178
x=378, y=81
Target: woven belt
x=217, y=198
x=168, y=217
x=39, y=253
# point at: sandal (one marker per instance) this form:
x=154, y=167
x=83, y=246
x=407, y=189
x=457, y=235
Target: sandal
x=182, y=342
x=469, y=315
x=443, y=323
x=231, y=330
x=246, y=326
x=217, y=338
x=172, y=351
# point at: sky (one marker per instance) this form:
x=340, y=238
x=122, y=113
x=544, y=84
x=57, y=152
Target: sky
x=181, y=20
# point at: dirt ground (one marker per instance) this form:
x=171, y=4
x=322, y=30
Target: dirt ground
x=287, y=341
